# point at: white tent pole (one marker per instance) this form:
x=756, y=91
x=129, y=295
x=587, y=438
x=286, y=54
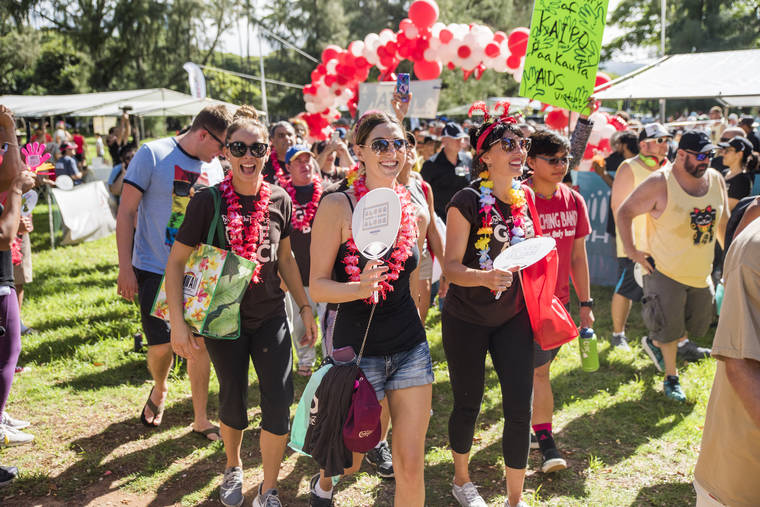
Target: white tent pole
x=50, y=219
x=264, y=106
x=662, y=53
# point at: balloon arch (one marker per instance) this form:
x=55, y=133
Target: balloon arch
x=430, y=45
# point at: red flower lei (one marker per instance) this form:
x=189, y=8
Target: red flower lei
x=407, y=235
x=243, y=239
x=310, y=208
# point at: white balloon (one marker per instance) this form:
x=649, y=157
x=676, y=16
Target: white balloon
x=599, y=119
x=607, y=131
x=436, y=30
x=356, y=48
x=594, y=137
x=517, y=74
x=371, y=42
x=430, y=54
x=330, y=66
x=386, y=36
x=411, y=32
x=311, y=107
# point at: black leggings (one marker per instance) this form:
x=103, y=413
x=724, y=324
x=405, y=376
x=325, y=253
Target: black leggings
x=511, y=349
x=269, y=347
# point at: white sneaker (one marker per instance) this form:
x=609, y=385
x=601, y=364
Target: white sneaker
x=18, y=424
x=519, y=504
x=467, y=495
x=11, y=436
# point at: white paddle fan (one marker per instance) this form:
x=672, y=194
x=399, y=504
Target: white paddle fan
x=524, y=254
x=375, y=224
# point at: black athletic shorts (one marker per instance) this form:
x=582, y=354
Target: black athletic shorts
x=626, y=284
x=156, y=331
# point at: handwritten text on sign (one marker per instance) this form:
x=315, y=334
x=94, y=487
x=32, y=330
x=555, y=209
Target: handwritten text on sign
x=563, y=52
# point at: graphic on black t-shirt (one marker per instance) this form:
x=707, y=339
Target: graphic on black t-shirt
x=181, y=193
x=702, y=223
x=264, y=251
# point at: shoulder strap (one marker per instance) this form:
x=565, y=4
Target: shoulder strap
x=349, y=201
x=216, y=227
x=533, y=213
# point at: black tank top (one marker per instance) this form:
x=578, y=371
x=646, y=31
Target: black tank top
x=396, y=325
x=6, y=264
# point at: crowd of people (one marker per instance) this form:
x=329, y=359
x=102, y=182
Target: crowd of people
x=468, y=192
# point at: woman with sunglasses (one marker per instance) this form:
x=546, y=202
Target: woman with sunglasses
x=257, y=219
x=563, y=215
x=741, y=163
x=483, y=219
x=396, y=357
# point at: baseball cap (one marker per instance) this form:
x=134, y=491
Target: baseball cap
x=67, y=145
x=739, y=143
x=296, y=150
x=733, y=116
x=747, y=120
x=361, y=431
x=453, y=130
x=695, y=140
x=653, y=131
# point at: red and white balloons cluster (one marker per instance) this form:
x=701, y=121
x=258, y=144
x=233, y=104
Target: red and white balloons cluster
x=421, y=39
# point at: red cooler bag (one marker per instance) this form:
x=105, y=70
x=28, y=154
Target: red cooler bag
x=551, y=322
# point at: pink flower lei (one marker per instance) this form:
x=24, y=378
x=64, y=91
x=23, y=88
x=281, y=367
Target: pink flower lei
x=244, y=239
x=310, y=208
x=407, y=235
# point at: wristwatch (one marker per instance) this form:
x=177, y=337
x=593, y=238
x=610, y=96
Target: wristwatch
x=589, y=303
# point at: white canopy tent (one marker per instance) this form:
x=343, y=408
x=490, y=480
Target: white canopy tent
x=728, y=76
x=148, y=102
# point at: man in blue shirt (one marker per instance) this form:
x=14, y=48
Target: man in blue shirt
x=154, y=196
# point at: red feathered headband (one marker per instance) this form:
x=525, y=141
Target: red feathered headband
x=503, y=118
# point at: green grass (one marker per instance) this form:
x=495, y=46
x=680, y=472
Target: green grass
x=625, y=443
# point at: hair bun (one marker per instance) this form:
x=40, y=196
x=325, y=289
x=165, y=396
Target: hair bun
x=246, y=111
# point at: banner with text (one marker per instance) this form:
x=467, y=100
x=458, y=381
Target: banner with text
x=563, y=52
x=600, y=245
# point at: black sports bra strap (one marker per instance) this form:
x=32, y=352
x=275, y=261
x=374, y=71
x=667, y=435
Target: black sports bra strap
x=349, y=201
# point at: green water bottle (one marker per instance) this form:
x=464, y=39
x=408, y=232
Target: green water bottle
x=719, y=292
x=589, y=354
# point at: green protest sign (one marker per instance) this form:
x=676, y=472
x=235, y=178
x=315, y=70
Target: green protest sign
x=563, y=52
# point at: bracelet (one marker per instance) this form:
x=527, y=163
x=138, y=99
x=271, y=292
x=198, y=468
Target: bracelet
x=304, y=306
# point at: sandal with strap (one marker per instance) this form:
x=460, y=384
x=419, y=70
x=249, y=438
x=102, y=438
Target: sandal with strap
x=158, y=411
x=213, y=430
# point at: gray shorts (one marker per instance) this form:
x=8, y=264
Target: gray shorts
x=670, y=309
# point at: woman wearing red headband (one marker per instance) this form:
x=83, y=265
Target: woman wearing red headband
x=482, y=220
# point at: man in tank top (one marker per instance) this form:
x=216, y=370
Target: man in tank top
x=686, y=208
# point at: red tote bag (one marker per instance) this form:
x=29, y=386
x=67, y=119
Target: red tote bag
x=551, y=322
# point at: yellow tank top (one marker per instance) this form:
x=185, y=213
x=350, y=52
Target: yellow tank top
x=640, y=173
x=682, y=239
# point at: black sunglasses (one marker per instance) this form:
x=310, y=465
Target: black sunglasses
x=221, y=143
x=239, y=148
x=556, y=160
x=384, y=145
x=510, y=144
x=702, y=156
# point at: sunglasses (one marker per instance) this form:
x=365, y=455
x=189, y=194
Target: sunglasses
x=221, y=143
x=3, y=148
x=701, y=157
x=239, y=149
x=510, y=144
x=385, y=145
x=556, y=160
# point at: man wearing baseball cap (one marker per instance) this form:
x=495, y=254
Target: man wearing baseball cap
x=447, y=171
x=67, y=165
x=746, y=124
x=686, y=208
x=653, y=150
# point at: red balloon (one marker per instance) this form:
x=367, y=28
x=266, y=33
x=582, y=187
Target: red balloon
x=424, y=69
x=329, y=80
x=499, y=36
x=589, y=153
x=315, y=75
x=451, y=66
x=405, y=23
x=423, y=13
x=330, y=52
x=492, y=50
x=556, y=119
x=513, y=62
x=601, y=78
x=464, y=51
x=604, y=145
x=518, y=41
x=446, y=35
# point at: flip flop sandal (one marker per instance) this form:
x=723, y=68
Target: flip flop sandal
x=158, y=411
x=304, y=370
x=213, y=430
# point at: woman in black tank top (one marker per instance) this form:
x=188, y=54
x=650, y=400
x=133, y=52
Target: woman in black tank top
x=396, y=357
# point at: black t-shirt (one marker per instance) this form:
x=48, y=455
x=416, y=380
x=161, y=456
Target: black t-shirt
x=755, y=140
x=478, y=304
x=396, y=325
x=738, y=186
x=613, y=161
x=265, y=299
x=268, y=171
x=300, y=241
x=6, y=263
x=443, y=179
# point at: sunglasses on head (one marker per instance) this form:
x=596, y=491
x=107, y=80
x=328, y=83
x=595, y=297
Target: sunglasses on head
x=510, y=144
x=239, y=149
x=702, y=156
x=556, y=160
x=385, y=145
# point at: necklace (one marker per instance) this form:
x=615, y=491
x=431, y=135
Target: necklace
x=488, y=203
x=546, y=197
x=405, y=239
x=244, y=239
x=300, y=221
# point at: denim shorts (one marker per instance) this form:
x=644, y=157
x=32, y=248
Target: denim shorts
x=410, y=368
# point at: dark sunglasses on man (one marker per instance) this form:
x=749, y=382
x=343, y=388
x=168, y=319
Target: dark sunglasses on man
x=221, y=143
x=239, y=149
x=702, y=156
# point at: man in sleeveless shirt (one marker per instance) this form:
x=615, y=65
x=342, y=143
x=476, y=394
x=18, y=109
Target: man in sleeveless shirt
x=653, y=150
x=686, y=209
